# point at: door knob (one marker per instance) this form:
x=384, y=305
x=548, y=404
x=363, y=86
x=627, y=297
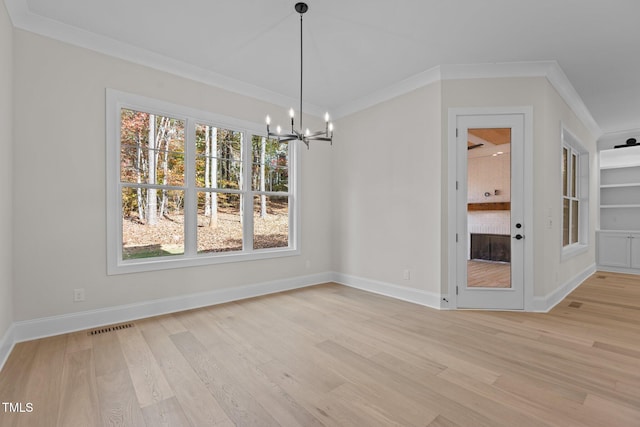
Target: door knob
x=518, y=237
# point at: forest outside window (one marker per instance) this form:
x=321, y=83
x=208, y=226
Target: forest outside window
x=186, y=187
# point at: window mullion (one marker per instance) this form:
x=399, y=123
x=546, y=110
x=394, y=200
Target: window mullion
x=190, y=197
x=247, y=219
x=294, y=203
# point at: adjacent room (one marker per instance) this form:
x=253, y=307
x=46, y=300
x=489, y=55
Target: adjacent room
x=331, y=213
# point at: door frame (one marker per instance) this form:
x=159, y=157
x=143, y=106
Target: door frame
x=453, y=153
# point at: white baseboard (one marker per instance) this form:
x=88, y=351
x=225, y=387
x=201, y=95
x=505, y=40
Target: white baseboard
x=417, y=296
x=546, y=303
x=618, y=270
x=56, y=325
x=7, y=342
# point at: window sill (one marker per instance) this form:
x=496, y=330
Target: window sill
x=169, y=262
x=574, y=250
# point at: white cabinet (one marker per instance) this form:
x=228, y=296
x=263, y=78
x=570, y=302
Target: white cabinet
x=619, y=250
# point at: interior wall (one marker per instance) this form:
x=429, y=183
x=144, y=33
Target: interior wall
x=6, y=171
x=556, y=271
x=60, y=221
x=550, y=111
x=387, y=191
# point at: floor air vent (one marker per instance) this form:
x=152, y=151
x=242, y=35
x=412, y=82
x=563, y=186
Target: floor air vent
x=110, y=329
x=575, y=304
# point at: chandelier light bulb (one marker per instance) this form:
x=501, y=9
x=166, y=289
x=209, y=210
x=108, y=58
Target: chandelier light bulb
x=297, y=134
x=278, y=129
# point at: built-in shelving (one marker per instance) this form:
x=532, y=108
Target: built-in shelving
x=619, y=231
x=620, y=189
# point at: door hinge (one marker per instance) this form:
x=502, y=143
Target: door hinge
x=456, y=290
x=456, y=132
x=456, y=237
x=456, y=185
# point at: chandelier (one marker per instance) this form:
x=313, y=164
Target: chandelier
x=298, y=135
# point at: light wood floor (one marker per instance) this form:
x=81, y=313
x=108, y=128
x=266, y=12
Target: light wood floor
x=487, y=274
x=336, y=356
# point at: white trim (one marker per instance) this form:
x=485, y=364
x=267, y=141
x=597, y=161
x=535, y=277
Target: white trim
x=67, y=323
x=56, y=325
x=416, y=296
x=529, y=272
x=570, y=141
x=432, y=75
x=6, y=345
x=116, y=100
x=548, y=69
x=23, y=18
x=619, y=269
x=546, y=303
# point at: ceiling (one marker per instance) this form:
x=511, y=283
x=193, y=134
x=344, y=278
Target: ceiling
x=354, y=48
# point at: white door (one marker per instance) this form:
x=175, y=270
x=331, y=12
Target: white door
x=490, y=226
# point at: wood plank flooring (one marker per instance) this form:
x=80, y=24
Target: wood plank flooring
x=335, y=356
x=488, y=274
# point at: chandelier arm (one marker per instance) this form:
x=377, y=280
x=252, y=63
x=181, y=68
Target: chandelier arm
x=314, y=134
x=299, y=135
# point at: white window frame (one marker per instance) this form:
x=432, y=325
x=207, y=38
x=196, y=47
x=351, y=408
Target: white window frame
x=575, y=147
x=115, y=101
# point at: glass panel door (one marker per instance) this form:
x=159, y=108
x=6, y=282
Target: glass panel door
x=489, y=207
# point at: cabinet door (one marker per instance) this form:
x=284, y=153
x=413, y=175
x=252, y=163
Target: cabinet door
x=635, y=251
x=614, y=249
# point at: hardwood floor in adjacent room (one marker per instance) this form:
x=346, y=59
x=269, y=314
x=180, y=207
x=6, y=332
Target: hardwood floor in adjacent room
x=332, y=355
x=488, y=274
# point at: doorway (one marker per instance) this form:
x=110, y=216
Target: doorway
x=490, y=230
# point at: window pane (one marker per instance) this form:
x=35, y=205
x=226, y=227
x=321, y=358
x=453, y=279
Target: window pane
x=270, y=168
x=219, y=222
x=152, y=223
x=565, y=172
x=574, y=174
x=574, y=221
x=151, y=148
x=271, y=222
x=218, y=157
x=565, y=222
x=218, y=173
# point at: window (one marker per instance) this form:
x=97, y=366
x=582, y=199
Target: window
x=575, y=195
x=186, y=187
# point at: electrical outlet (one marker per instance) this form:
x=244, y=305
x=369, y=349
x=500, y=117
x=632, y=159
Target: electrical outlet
x=406, y=274
x=78, y=295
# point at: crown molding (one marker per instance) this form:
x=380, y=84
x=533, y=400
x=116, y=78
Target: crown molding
x=23, y=18
x=407, y=85
x=548, y=69
x=551, y=70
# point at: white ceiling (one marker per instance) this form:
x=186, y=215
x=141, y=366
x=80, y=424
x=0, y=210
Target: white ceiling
x=354, y=48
